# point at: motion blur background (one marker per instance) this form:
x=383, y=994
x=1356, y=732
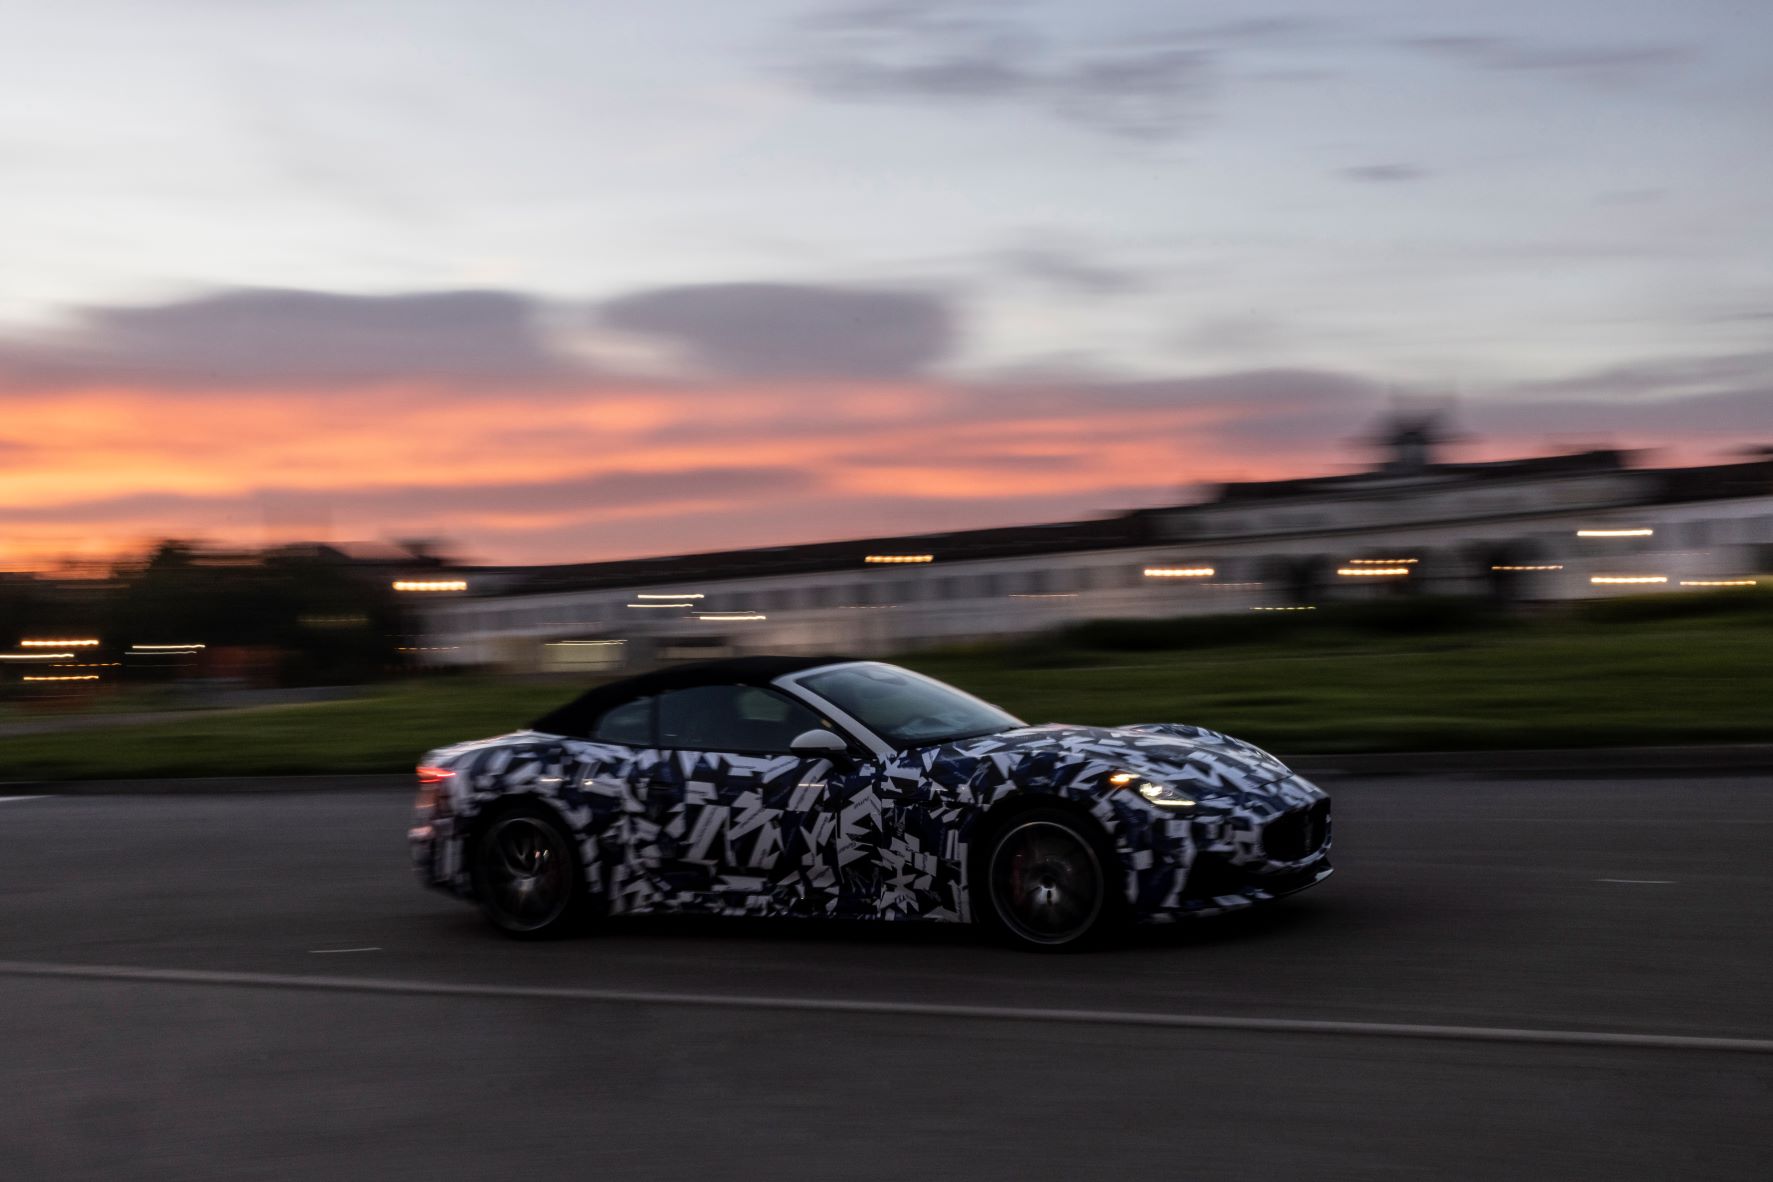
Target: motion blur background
x=1367, y=377
x=348, y=344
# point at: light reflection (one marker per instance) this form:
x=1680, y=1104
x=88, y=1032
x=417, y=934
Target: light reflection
x=430, y=584
x=1179, y=572
x=890, y=559
x=1615, y=533
x=1367, y=572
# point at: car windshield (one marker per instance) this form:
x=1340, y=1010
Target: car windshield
x=906, y=709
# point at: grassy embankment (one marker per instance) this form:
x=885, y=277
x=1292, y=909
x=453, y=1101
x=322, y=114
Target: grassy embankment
x=1677, y=669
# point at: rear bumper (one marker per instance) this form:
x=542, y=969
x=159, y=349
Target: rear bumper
x=436, y=852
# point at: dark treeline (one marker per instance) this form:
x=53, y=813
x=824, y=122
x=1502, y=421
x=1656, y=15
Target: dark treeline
x=297, y=616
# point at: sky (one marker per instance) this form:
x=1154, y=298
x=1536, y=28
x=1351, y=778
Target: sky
x=562, y=281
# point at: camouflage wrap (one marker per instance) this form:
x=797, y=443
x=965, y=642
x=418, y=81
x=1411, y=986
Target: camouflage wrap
x=714, y=833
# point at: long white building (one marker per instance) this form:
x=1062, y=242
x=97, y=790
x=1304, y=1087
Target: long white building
x=1542, y=528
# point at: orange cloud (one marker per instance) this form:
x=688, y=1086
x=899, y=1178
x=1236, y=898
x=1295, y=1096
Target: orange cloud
x=601, y=468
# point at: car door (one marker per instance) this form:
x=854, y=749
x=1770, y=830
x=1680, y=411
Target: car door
x=606, y=802
x=748, y=826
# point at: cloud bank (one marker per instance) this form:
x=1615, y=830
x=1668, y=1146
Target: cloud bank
x=802, y=412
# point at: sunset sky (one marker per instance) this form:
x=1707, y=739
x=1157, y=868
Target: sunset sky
x=568, y=281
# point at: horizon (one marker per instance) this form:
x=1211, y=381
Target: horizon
x=1632, y=459
x=601, y=284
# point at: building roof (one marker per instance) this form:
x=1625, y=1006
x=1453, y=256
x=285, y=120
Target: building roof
x=1142, y=527
x=1715, y=482
x=820, y=557
x=1534, y=468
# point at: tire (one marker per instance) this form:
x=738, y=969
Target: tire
x=527, y=874
x=1047, y=880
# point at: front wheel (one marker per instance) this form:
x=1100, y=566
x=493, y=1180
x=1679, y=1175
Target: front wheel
x=1046, y=881
x=527, y=874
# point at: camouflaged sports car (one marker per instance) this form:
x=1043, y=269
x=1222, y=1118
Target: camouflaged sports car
x=855, y=789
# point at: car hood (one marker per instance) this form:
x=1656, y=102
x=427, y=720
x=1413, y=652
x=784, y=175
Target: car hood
x=1205, y=761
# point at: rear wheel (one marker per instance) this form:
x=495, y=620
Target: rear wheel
x=1046, y=881
x=527, y=874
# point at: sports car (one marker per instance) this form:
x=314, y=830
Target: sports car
x=828, y=787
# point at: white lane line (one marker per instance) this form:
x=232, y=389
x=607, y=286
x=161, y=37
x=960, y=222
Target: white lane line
x=1640, y=881
x=10, y=799
x=1503, y=1034
x=329, y=951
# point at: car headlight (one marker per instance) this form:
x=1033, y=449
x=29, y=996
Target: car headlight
x=1158, y=793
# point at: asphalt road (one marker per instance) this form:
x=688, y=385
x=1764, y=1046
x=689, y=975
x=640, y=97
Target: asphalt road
x=1512, y=911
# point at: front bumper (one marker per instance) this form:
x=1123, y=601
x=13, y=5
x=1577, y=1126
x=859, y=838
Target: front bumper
x=1251, y=854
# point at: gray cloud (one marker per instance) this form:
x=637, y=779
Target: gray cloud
x=472, y=340
x=926, y=48
x=278, y=337
x=1664, y=378
x=1385, y=173
x=1281, y=28
x=1736, y=418
x=781, y=330
x=953, y=51
x=1594, y=62
x=1146, y=94
x=1072, y=271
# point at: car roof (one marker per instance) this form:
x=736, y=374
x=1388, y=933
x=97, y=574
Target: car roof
x=576, y=716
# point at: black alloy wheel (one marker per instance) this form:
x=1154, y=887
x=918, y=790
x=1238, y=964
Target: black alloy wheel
x=1046, y=881
x=527, y=874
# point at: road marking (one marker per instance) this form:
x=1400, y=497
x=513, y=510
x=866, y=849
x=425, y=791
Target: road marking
x=1641, y=881
x=327, y=951
x=10, y=799
x=907, y=1009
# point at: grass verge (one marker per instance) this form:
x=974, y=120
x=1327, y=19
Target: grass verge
x=1607, y=674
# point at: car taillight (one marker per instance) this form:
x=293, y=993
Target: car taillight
x=431, y=794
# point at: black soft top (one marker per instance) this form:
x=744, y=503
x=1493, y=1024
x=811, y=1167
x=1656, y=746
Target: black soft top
x=577, y=716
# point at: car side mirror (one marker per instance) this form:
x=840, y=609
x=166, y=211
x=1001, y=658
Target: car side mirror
x=820, y=744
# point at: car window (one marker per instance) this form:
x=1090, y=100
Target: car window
x=630, y=724
x=906, y=709
x=739, y=718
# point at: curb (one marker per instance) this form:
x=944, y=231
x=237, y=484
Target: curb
x=209, y=785
x=1623, y=762
x=1584, y=763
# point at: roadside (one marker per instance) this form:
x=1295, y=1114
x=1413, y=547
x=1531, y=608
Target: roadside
x=1495, y=693
x=209, y=705
x=1625, y=763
